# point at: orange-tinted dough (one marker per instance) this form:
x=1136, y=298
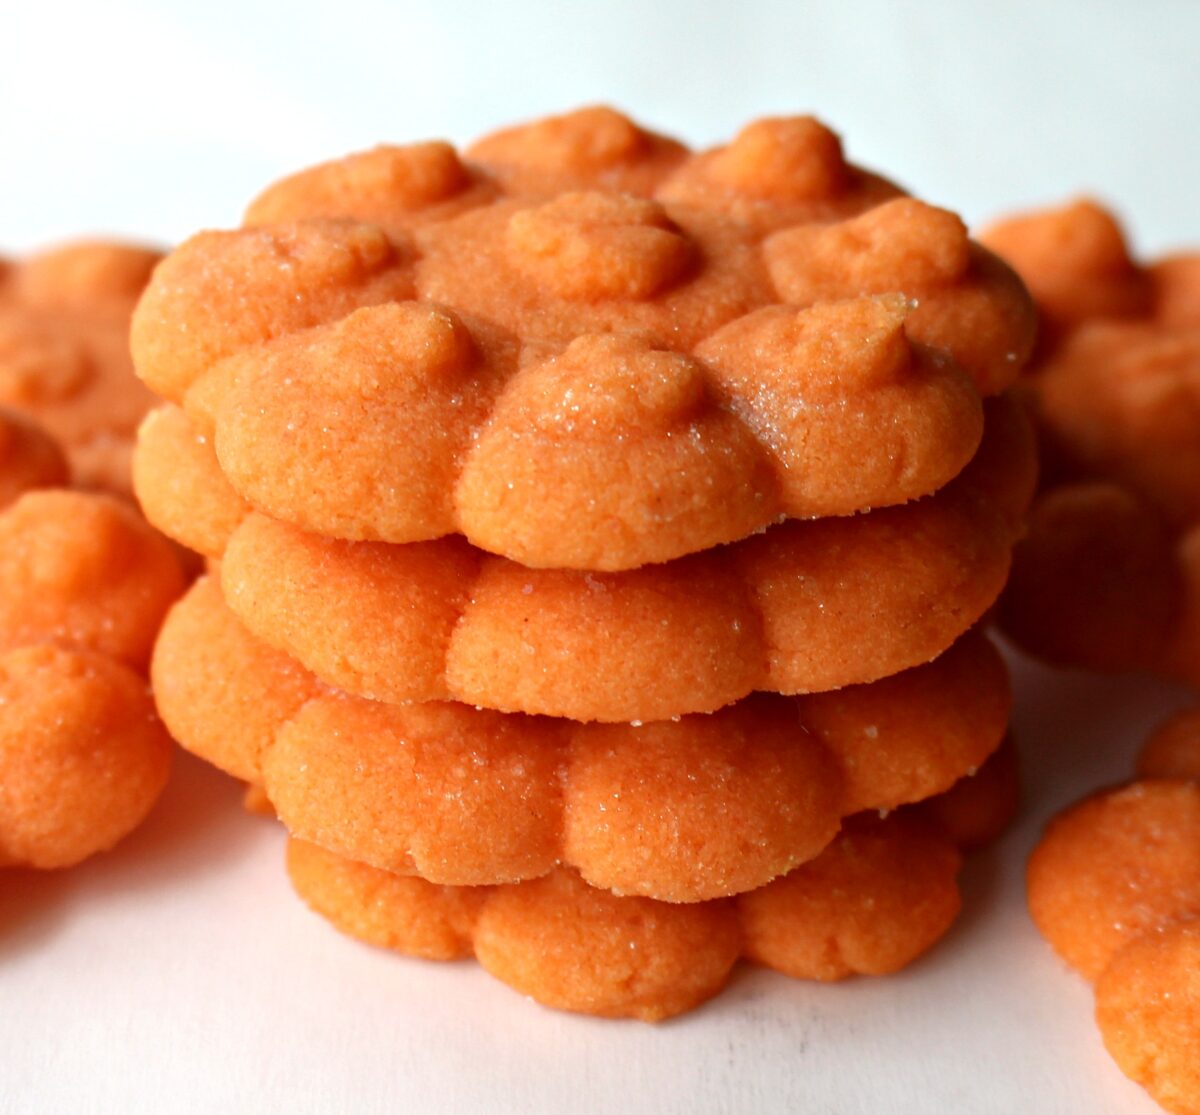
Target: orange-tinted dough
x=179, y=485
x=391, y=186
x=875, y=900
x=1094, y=582
x=1121, y=400
x=29, y=458
x=681, y=810
x=64, y=353
x=1173, y=749
x=1115, y=866
x=590, y=379
x=219, y=688
x=807, y=606
x=964, y=300
x=399, y=423
x=82, y=755
x=777, y=172
x=915, y=734
x=979, y=806
x=221, y=292
x=1076, y=264
x=1148, y=1010
x=1118, y=382
x=86, y=571
x=590, y=148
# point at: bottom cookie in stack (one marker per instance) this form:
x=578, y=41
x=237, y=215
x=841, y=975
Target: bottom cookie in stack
x=877, y=898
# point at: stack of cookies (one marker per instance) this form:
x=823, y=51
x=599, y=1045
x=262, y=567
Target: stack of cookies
x=597, y=534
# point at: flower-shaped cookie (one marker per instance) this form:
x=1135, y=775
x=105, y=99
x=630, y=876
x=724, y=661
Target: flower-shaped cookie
x=64, y=352
x=1109, y=577
x=682, y=810
x=881, y=895
x=590, y=357
x=805, y=607
x=84, y=585
x=1114, y=886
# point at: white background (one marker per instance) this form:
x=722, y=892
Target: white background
x=178, y=973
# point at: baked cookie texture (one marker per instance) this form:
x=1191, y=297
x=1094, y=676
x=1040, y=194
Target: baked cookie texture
x=1114, y=886
x=598, y=535
x=84, y=585
x=64, y=352
x=876, y=899
x=682, y=811
x=1109, y=576
x=402, y=345
x=807, y=606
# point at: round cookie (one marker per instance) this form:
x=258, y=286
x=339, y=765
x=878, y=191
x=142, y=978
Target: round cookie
x=979, y=807
x=180, y=487
x=229, y=700
x=1121, y=400
x=874, y=901
x=1115, y=866
x=784, y=611
x=1094, y=581
x=1173, y=749
x=82, y=755
x=64, y=353
x=589, y=377
x=1076, y=263
x=83, y=570
x=29, y=458
x=1148, y=1011
x=682, y=811
x=877, y=899
x=607, y=454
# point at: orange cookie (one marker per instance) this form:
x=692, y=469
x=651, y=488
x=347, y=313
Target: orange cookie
x=880, y=896
x=64, y=354
x=585, y=379
x=1114, y=867
x=29, y=458
x=180, y=486
x=808, y=606
x=82, y=755
x=1148, y=1010
x=873, y=902
x=680, y=810
x=1076, y=264
x=85, y=571
x=979, y=806
x=1182, y=654
x=1094, y=582
x=1173, y=749
x=1118, y=382
x=1121, y=400
x=221, y=689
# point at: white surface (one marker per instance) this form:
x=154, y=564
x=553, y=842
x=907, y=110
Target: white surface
x=178, y=974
